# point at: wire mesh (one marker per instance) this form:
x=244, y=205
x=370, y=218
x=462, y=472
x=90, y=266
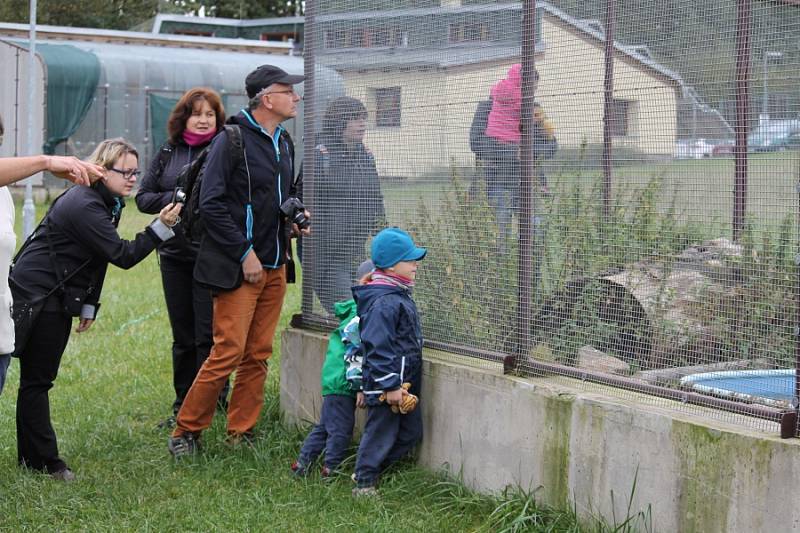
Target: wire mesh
x=608, y=190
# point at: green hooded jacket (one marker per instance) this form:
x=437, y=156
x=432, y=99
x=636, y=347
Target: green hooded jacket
x=335, y=367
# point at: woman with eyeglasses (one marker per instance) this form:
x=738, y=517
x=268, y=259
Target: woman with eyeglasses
x=195, y=120
x=66, y=258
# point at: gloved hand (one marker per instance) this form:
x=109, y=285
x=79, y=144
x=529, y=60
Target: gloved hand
x=407, y=404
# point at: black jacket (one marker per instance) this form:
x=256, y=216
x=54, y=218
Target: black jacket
x=82, y=224
x=156, y=189
x=348, y=204
x=224, y=193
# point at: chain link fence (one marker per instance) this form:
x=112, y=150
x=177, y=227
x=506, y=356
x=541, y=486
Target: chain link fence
x=608, y=190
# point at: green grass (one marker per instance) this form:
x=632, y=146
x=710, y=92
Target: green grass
x=701, y=191
x=114, y=386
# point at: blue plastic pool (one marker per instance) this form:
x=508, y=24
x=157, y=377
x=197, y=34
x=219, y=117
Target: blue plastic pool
x=761, y=386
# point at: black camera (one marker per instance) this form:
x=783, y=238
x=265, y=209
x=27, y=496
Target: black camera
x=295, y=212
x=178, y=196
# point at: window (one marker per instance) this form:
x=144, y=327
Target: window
x=336, y=38
x=380, y=36
x=277, y=36
x=620, y=117
x=387, y=107
x=194, y=33
x=468, y=32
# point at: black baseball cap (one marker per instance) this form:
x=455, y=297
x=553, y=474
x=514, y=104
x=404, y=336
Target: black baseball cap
x=266, y=75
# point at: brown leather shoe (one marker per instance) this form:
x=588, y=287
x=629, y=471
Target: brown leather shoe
x=66, y=475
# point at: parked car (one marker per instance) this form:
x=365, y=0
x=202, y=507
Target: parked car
x=693, y=149
x=722, y=149
x=790, y=142
x=772, y=135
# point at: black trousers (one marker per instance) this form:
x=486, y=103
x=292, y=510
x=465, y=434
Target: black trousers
x=37, y=447
x=191, y=309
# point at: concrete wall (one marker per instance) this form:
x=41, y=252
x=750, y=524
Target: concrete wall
x=695, y=474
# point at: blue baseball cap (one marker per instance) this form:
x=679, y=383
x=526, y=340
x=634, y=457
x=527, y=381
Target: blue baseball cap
x=393, y=245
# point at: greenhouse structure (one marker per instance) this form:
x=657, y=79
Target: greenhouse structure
x=96, y=84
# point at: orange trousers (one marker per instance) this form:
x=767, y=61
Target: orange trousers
x=245, y=321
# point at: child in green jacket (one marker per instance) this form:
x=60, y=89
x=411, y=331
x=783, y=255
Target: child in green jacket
x=341, y=392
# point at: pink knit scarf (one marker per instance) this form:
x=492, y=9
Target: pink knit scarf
x=196, y=139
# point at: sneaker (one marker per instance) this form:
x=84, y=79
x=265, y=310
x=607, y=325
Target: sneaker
x=354, y=478
x=365, y=492
x=325, y=472
x=183, y=445
x=298, y=469
x=65, y=474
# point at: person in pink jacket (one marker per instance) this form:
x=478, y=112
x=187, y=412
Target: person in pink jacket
x=503, y=137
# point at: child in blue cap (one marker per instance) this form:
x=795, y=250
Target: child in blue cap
x=392, y=368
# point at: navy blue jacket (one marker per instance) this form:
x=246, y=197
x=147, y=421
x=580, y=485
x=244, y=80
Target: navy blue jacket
x=392, y=339
x=224, y=193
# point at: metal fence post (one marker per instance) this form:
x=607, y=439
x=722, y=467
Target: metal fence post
x=744, y=22
x=525, y=264
x=309, y=115
x=608, y=100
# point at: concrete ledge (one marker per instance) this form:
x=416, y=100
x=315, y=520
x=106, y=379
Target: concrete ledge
x=694, y=473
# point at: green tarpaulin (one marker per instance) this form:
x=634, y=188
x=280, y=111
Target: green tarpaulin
x=160, y=108
x=72, y=77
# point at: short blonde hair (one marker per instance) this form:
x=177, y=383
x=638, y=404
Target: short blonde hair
x=109, y=151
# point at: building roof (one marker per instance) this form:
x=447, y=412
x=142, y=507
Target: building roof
x=450, y=56
x=148, y=39
x=440, y=58
x=160, y=19
x=593, y=30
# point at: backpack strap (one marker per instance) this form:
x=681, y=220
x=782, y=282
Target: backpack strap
x=287, y=141
x=236, y=151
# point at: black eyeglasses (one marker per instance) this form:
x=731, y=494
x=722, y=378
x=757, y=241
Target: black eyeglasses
x=127, y=174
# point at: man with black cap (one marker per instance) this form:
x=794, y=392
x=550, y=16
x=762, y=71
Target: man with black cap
x=240, y=210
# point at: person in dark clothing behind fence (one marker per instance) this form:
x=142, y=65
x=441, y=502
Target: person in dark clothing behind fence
x=195, y=120
x=73, y=246
x=349, y=204
x=500, y=151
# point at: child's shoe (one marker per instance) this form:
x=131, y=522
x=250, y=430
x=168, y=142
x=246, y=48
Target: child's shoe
x=298, y=469
x=365, y=492
x=325, y=472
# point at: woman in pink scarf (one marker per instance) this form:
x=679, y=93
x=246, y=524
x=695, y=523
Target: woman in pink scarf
x=193, y=123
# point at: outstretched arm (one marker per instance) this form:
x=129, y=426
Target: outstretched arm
x=13, y=169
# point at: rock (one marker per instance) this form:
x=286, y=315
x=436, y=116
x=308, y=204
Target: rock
x=593, y=359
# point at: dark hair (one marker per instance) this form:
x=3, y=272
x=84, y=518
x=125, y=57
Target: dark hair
x=340, y=111
x=185, y=106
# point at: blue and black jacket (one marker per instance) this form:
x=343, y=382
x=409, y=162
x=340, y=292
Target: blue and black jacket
x=236, y=222
x=392, y=339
